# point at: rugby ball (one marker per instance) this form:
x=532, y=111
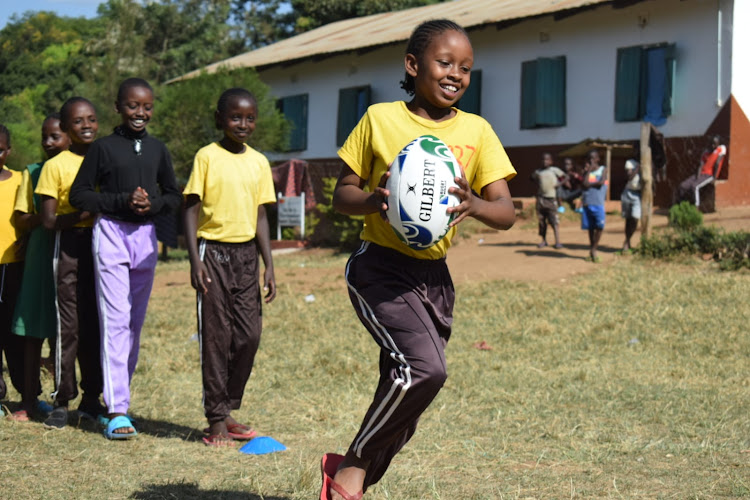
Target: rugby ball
x=418, y=200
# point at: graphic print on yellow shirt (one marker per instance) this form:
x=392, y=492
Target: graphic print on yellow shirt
x=387, y=127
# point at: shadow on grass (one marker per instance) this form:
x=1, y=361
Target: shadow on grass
x=193, y=491
x=146, y=427
x=549, y=251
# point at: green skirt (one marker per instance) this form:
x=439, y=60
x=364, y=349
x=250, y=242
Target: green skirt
x=35, y=314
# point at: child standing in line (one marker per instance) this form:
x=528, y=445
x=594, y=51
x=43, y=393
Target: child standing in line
x=11, y=268
x=225, y=197
x=593, y=197
x=405, y=297
x=35, y=317
x=127, y=178
x=73, y=268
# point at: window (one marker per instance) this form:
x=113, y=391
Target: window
x=471, y=100
x=543, y=93
x=294, y=109
x=644, y=83
x=353, y=103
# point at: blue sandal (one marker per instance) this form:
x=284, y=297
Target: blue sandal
x=117, y=423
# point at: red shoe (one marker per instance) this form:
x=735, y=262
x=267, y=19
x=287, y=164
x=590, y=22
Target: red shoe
x=328, y=467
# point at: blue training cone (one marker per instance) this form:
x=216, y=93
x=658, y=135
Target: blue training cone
x=262, y=445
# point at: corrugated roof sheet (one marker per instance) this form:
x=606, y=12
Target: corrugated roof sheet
x=391, y=27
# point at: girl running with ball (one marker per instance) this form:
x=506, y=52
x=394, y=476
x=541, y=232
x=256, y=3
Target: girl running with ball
x=404, y=297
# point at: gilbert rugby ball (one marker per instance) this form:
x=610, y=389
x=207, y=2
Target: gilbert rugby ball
x=417, y=205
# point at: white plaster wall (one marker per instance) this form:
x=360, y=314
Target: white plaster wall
x=740, y=44
x=589, y=41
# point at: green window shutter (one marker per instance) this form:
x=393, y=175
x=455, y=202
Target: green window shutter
x=528, y=94
x=550, y=92
x=353, y=103
x=628, y=83
x=294, y=109
x=471, y=100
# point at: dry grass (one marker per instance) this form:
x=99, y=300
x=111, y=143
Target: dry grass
x=631, y=382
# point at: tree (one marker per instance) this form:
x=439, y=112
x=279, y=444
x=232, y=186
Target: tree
x=184, y=115
x=314, y=13
x=260, y=23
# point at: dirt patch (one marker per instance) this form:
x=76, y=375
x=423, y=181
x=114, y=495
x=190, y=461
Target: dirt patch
x=496, y=255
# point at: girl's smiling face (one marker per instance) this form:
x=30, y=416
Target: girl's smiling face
x=442, y=73
x=54, y=140
x=80, y=123
x=238, y=119
x=136, y=107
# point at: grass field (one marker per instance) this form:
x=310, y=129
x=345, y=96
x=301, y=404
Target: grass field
x=629, y=382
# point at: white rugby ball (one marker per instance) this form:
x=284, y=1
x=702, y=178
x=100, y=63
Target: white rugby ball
x=418, y=201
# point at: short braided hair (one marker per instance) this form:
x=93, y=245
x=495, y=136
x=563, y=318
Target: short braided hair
x=419, y=41
x=64, y=115
x=130, y=83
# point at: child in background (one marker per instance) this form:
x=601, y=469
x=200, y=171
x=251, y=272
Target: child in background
x=593, y=197
x=35, y=317
x=11, y=268
x=546, y=178
x=126, y=178
x=225, y=197
x=405, y=297
x=630, y=199
x=73, y=268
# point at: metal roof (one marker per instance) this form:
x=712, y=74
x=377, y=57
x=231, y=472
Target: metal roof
x=391, y=27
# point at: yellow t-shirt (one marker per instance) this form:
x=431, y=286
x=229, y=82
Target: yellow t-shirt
x=8, y=234
x=387, y=127
x=231, y=187
x=55, y=180
x=25, y=196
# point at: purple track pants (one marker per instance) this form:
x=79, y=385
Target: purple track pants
x=125, y=256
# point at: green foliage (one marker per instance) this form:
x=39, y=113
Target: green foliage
x=184, y=115
x=685, y=216
x=314, y=13
x=730, y=249
x=331, y=229
x=21, y=113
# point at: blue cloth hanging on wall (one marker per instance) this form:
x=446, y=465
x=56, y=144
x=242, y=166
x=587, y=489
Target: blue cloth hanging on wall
x=656, y=85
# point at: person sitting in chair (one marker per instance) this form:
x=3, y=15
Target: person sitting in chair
x=711, y=163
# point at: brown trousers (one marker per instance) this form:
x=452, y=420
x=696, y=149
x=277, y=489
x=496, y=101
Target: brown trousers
x=407, y=306
x=229, y=324
x=77, y=315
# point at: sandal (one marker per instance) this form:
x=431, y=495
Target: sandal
x=117, y=423
x=19, y=416
x=237, y=431
x=328, y=466
x=218, y=441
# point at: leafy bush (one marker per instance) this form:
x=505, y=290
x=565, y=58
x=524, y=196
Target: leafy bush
x=685, y=216
x=730, y=249
x=184, y=118
x=330, y=228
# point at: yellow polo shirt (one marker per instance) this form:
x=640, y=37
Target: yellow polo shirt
x=231, y=187
x=55, y=180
